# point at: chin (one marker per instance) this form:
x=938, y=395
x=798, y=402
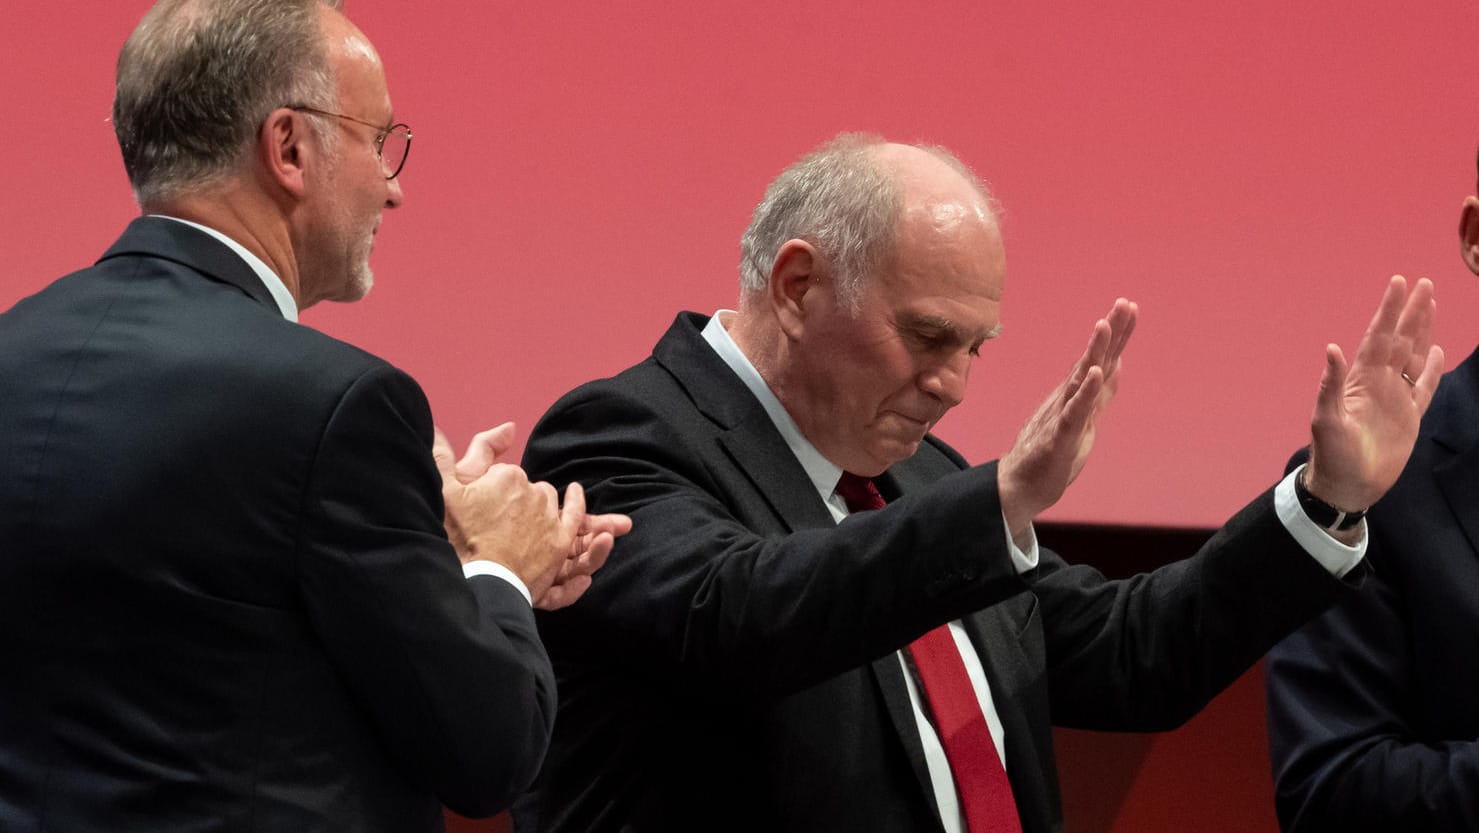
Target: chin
x=889, y=454
x=359, y=285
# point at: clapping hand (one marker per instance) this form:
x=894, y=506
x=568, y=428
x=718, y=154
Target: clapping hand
x=494, y=512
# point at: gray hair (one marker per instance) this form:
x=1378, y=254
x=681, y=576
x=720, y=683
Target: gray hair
x=840, y=200
x=198, y=77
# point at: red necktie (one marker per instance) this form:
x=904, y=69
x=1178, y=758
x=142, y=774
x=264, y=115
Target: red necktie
x=980, y=782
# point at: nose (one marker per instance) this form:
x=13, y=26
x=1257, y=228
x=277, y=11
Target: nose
x=393, y=194
x=946, y=381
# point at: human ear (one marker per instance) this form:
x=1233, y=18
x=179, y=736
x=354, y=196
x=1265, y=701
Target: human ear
x=792, y=278
x=284, y=145
x=1468, y=233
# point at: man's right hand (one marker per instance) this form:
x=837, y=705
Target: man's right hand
x=498, y=515
x=1053, y=446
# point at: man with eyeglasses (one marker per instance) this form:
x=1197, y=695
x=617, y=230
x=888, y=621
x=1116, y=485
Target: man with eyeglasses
x=227, y=589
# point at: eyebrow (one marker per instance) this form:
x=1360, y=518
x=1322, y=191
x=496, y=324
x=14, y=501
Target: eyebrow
x=936, y=325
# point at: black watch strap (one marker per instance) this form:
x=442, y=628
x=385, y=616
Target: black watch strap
x=1323, y=514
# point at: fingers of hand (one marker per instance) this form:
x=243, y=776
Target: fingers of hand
x=441, y=452
x=1412, y=350
x=484, y=450
x=1080, y=408
x=1393, y=300
x=587, y=554
x=1093, y=356
x=1111, y=384
x=1397, y=348
x=1099, y=343
x=597, y=548
x=1415, y=324
x=572, y=514
x=611, y=523
x=563, y=594
x=498, y=439
x=1427, y=381
x=1380, y=344
x=1122, y=317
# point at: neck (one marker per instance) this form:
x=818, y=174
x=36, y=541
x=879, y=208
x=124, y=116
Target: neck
x=759, y=336
x=247, y=216
x=760, y=340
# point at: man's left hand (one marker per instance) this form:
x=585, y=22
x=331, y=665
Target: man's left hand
x=587, y=553
x=1366, y=415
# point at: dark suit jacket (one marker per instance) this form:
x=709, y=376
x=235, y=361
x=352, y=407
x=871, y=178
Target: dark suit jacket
x=1374, y=707
x=226, y=597
x=733, y=666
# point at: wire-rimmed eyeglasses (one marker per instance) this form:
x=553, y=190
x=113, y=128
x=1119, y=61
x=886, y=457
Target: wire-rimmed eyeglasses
x=392, y=143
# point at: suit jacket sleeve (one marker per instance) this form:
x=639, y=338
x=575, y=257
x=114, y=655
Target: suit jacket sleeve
x=449, y=670
x=1147, y=652
x=712, y=585
x=1341, y=705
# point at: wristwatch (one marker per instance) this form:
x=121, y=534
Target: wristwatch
x=1323, y=514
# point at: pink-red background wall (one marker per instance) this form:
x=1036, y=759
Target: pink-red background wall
x=1251, y=173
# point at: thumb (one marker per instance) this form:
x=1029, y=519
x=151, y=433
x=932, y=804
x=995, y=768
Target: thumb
x=1332, y=383
x=442, y=454
x=572, y=513
x=499, y=439
x=485, y=450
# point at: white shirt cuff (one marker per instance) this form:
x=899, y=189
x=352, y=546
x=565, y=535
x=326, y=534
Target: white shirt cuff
x=493, y=568
x=1023, y=559
x=1337, y=558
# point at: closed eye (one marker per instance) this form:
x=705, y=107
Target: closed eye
x=933, y=335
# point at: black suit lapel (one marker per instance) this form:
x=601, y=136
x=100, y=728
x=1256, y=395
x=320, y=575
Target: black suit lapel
x=190, y=247
x=1458, y=480
x=889, y=675
x=760, y=452
x=1456, y=437
x=748, y=438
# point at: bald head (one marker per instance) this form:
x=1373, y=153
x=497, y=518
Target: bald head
x=198, y=77
x=848, y=197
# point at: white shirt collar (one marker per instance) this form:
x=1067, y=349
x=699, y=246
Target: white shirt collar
x=264, y=273
x=823, y=472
